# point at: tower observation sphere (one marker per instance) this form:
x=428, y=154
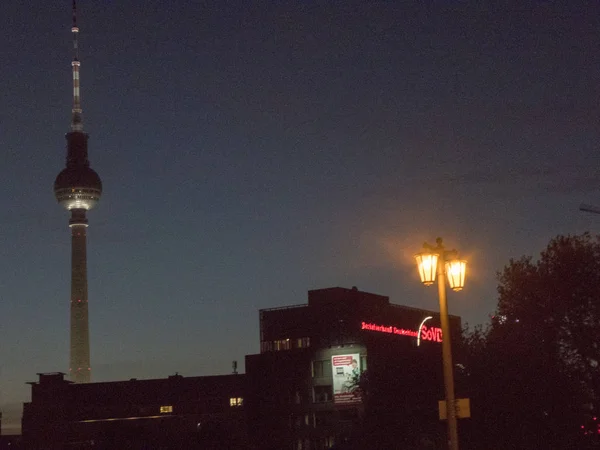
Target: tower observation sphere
x=77, y=186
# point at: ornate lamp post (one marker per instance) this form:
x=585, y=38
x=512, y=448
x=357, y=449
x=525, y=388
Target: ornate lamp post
x=436, y=260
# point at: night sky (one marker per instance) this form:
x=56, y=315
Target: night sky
x=251, y=152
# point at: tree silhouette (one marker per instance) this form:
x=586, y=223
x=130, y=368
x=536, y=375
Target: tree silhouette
x=533, y=373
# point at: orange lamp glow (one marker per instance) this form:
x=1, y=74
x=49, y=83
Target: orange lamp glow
x=455, y=272
x=427, y=265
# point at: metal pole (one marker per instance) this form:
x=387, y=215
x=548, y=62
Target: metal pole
x=447, y=357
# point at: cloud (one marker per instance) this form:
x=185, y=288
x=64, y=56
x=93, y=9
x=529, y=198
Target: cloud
x=557, y=179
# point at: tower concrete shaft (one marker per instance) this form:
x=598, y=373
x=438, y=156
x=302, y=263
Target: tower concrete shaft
x=80, y=370
x=78, y=188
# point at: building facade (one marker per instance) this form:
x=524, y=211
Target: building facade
x=172, y=413
x=348, y=366
x=343, y=365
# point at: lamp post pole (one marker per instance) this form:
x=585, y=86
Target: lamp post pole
x=436, y=260
x=447, y=357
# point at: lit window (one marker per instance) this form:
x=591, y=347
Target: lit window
x=322, y=394
x=236, y=401
x=266, y=346
x=282, y=344
x=321, y=368
x=299, y=420
x=363, y=363
x=166, y=409
x=303, y=342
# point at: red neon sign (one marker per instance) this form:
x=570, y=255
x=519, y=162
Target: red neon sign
x=427, y=334
x=431, y=334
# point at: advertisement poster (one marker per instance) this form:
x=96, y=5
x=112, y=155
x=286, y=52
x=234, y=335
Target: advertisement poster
x=346, y=374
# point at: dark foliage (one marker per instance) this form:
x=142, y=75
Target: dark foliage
x=532, y=374
x=400, y=406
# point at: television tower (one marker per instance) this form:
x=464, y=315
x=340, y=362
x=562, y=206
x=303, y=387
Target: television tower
x=78, y=188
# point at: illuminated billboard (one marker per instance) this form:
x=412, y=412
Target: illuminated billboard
x=346, y=375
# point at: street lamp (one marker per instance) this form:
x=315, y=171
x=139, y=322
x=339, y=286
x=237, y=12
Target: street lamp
x=436, y=260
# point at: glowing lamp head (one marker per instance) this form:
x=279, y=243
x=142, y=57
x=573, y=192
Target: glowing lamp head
x=427, y=265
x=455, y=272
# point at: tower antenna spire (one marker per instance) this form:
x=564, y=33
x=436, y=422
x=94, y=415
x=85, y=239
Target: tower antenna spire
x=76, y=119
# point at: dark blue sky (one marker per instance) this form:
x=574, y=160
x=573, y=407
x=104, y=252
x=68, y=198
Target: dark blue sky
x=250, y=153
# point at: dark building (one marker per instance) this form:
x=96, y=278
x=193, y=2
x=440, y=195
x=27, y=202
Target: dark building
x=348, y=366
x=172, y=413
x=10, y=442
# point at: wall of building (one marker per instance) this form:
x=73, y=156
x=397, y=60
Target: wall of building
x=176, y=412
x=345, y=366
